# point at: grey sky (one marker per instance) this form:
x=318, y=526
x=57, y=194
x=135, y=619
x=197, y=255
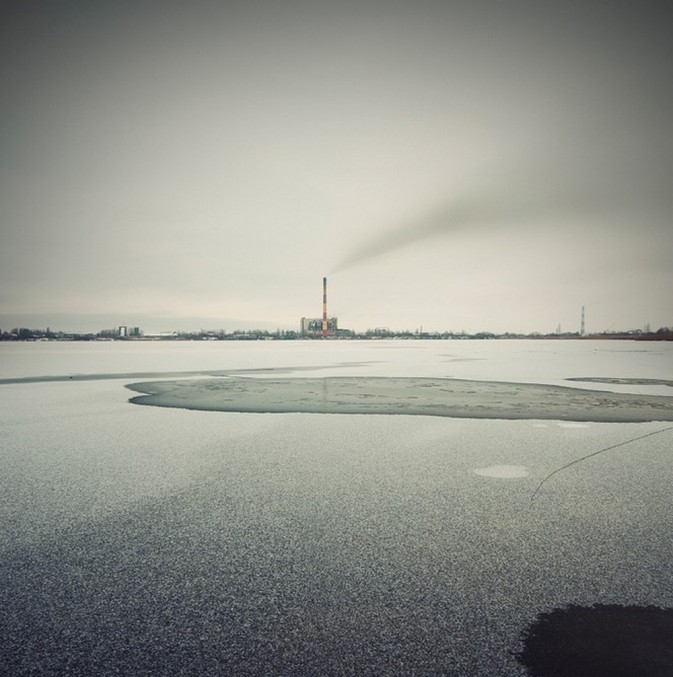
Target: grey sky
x=457, y=165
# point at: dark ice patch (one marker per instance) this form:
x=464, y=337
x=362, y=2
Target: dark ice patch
x=605, y=639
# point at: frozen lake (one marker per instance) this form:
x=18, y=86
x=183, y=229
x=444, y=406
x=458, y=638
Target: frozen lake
x=142, y=540
x=522, y=361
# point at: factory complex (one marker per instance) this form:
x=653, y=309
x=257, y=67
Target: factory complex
x=320, y=326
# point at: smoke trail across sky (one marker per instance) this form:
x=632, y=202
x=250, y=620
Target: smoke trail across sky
x=608, y=189
x=440, y=222
x=484, y=215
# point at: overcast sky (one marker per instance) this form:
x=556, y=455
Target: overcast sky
x=456, y=165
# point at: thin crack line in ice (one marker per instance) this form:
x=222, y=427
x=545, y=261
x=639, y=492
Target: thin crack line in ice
x=593, y=453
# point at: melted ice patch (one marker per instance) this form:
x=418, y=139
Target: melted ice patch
x=507, y=472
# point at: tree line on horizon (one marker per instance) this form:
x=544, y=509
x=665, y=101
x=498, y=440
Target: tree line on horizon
x=26, y=334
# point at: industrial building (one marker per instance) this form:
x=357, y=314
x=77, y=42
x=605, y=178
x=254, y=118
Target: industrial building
x=312, y=326
x=126, y=332
x=316, y=326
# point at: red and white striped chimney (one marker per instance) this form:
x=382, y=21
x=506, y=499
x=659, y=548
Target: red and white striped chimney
x=324, y=307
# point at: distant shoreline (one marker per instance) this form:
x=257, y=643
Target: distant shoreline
x=106, y=336
x=452, y=398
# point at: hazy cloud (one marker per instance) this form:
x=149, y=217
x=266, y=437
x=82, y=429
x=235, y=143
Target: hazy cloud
x=187, y=162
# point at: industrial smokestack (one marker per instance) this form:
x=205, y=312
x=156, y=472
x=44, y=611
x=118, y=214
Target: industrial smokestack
x=324, y=307
x=582, y=331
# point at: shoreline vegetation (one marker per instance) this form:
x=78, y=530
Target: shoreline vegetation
x=453, y=398
x=124, y=333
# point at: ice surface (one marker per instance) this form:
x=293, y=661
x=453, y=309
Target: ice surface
x=140, y=539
